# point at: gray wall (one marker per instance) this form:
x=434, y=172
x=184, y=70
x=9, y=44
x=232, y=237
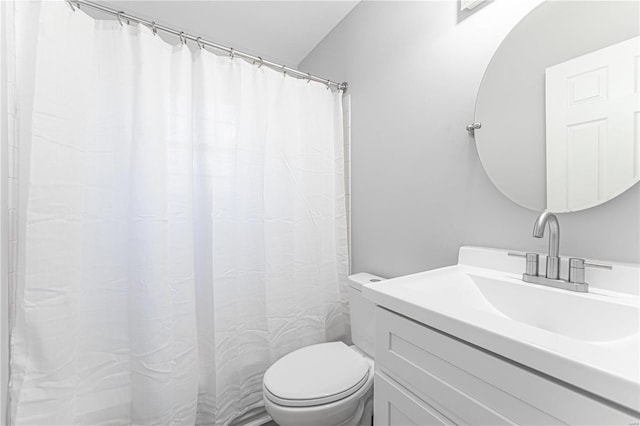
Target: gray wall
x=419, y=190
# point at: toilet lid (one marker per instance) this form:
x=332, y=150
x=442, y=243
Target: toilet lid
x=314, y=375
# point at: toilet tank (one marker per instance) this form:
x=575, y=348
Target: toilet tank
x=362, y=312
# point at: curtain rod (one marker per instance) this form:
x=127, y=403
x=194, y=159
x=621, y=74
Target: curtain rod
x=201, y=43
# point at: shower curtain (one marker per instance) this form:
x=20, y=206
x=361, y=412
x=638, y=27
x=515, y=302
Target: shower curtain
x=181, y=225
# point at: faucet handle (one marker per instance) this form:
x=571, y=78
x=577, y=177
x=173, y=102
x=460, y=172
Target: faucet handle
x=598, y=265
x=576, y=269
x=516, y=254
x=532, y=262
x=581, y=263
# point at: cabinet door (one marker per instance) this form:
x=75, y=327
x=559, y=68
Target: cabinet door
x=394, y=406
x=472, y=386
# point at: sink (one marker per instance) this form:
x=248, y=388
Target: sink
x=589, y=340
x=591, y=317
x=595, y=319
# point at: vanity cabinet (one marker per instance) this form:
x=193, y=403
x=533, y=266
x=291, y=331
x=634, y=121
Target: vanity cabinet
x=425, y=377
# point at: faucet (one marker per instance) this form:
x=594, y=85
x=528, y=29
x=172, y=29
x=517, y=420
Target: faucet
x=553, y=259
x=575, y=281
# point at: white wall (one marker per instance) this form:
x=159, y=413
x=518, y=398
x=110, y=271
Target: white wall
x=419, y=190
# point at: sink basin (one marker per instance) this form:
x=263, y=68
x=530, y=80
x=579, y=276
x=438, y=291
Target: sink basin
x=589, y=340
x=591, y=317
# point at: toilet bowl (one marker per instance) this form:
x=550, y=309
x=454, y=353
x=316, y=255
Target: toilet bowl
x=329, y=383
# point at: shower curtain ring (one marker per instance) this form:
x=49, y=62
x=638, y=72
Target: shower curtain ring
x=183, y=39
x=199, y=43
x=308, y=77
x=120, y=17
x=232, y=53
x=71, y=5
x=284, y=71
x=153, y=28
x=328, y=81
x=261, y=62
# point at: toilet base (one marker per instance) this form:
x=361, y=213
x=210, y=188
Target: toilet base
x=357, y=412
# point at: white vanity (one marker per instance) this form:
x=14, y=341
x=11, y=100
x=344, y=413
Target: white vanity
x=475, y=344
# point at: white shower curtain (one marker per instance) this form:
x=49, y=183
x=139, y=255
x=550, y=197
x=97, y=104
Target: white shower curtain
x=182, y=225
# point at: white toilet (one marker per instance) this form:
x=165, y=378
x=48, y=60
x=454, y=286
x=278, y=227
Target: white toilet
x=329, y=384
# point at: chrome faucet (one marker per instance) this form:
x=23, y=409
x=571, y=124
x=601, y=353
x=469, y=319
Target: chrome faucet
x=575, y=281
x=553, y=259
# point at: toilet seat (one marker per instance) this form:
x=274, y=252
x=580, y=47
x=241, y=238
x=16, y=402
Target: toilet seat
x=316, y=375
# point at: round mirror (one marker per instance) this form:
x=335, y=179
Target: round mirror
x=559, y=106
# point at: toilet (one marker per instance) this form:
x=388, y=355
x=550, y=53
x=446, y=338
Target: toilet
x=329, y=383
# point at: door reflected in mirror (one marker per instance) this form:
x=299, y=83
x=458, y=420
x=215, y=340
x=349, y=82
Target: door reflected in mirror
x=592, y=109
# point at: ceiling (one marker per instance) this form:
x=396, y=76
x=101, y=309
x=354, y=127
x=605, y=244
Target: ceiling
x=280, y=31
